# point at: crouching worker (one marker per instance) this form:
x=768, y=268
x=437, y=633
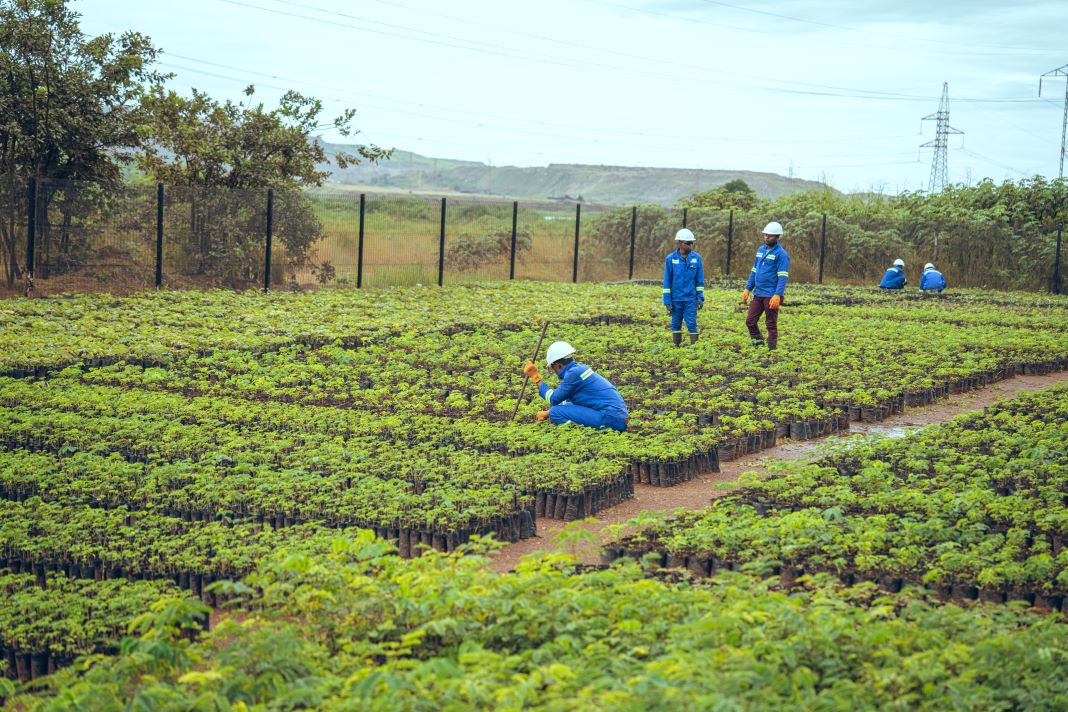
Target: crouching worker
x=895, y=276
x=932, y=280
x=583, y=396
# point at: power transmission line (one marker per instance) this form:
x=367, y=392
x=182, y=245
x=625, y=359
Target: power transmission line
x=939, y=161
x=452, y=41
x=1059, y=72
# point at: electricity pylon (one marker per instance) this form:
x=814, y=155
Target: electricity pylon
x=1059, y=72
x=939, y=163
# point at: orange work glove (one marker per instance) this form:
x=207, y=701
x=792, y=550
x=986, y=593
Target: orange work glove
x=776, y=300
x=541, y=415
x=532, y=371
x=745, y=296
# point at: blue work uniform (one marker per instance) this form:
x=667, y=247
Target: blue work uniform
x=894, y=279
x=932, y=279
x=586, y=398
x=771, y=270
x=684, y=289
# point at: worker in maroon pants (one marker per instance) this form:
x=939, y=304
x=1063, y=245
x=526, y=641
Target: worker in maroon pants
x=767, y=283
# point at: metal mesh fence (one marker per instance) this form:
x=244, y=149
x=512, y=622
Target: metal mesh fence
x=550, y=228
x=478, y=240
x=87, y=238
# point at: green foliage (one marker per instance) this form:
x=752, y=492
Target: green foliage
x=985, y=235
x=69, y=111
x=975, y=503
x=338, y=622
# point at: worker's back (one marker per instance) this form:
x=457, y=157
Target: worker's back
x=893, y=279
x=932, y=280
x=581, y=385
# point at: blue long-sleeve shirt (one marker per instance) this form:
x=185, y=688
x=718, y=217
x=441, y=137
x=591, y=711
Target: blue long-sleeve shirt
x=932, y=279
x=581, y=385
x=894, y=279
x=684, y=278
x=771, y=270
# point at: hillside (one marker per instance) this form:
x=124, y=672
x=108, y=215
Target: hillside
x=613, y=185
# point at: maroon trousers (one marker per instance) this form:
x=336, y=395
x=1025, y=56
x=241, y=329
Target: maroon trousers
x=758, y=306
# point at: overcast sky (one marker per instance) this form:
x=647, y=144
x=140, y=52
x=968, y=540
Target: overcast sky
x=820, y=89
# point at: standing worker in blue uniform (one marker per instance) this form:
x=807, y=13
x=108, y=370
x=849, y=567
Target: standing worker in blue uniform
x=684, y=286
x=767, y=283
x=932, y=280
x=583, y=396
x=895, y=276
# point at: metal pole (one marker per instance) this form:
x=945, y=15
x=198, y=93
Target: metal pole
x=1056, y=285
x=823, y=245
x=730, y=240
x=685, y=212
x=526, y=378
x=267, y=252
x=359, y=243
x=159, y=235
x=633, y=234
x=578, y=220
x=515, y=219
x=31, y=230
x=441, y=248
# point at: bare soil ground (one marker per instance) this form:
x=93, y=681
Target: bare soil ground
x=701, y=490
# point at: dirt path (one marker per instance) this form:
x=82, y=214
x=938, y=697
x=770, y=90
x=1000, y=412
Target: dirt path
x=697, y=493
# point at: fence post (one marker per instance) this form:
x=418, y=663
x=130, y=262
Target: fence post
x=578, y=220
x=1056, y=282
x=685, y=212
x=359, y=243
x=31, y=231
x=441, y=248
x=159, y=235
x=515, y=218
x=823, y=245
x=267, y=252
x=633, y=233
x=730, y=240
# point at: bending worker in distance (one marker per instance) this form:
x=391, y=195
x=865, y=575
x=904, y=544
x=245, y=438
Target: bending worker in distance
x=895, y=276
x=684, y=286
x=932, y=280
x=583, y=396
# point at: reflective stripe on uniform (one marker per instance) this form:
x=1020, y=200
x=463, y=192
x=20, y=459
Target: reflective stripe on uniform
x=549, y=394
x=700, y=289
x=783, y=274
x=667, y=291
x=586, y=374
x=754, y=269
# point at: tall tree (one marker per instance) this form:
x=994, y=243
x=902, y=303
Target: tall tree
x=70, y=110
x=225, y=155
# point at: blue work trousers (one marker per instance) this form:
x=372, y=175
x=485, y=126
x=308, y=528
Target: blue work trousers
x=569, y=412
x=684, y=311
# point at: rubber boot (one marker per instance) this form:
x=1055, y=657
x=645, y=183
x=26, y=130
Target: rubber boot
x=676, y=338
x=773, y=344
x=693, y=339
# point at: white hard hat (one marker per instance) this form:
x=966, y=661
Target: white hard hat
x=558, y=350
x=684, y=235
x=899, y=262
x=929, y=265
x=773, y=228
